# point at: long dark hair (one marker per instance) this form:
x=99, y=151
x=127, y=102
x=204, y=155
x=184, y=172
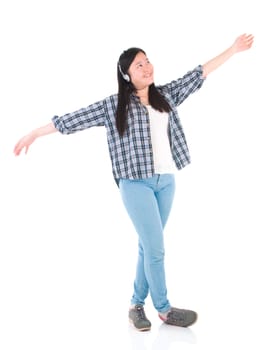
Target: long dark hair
x=126, y=88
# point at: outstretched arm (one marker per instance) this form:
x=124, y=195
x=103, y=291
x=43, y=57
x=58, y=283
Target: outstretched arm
x=242, y=43
x=28, y=139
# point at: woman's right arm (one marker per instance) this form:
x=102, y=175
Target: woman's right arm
x=93, y=115
x=28, y=139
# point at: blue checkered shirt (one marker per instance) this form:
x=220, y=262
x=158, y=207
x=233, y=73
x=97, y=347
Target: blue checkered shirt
x=132, y=155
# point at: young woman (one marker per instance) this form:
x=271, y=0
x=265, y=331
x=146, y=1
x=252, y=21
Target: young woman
x=146, y=145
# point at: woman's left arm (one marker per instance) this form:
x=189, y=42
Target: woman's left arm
x=242, y=43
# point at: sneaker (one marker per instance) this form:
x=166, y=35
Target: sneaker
x=179, y=317
x=138, y=318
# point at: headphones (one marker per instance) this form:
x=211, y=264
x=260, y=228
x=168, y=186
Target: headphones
x=124, y=76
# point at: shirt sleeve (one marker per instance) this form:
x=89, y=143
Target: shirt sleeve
x=84, y=118
x=181, y=88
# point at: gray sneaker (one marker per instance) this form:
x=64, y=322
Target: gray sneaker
x=180, y=317
x=138, y=318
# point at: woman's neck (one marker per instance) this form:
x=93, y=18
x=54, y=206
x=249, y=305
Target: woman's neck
x=143, y=95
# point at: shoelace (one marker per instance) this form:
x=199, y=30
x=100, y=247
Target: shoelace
x=140, y=313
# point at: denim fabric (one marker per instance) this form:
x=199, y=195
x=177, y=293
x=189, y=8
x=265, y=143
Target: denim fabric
x=148, y=203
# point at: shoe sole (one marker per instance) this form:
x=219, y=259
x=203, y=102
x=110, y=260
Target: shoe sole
x=143, y=329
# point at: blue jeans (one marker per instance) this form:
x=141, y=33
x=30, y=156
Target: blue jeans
x=148, y=203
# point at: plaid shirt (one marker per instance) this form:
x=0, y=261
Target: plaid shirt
x=132, y=154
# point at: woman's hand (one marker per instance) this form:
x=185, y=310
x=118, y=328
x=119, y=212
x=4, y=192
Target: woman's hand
x=28, y=139
x=24, y=142
x=242, y=43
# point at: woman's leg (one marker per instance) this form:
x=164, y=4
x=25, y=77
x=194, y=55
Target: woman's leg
x=148, y=203
x=165, y=196
x=141, y=286
x=164, y=199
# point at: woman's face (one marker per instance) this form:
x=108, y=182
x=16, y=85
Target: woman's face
x=141, y=71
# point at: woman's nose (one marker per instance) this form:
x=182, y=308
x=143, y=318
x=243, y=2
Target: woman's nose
x=147, y=67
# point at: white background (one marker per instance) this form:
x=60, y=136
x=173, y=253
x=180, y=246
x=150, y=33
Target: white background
x=67, y=247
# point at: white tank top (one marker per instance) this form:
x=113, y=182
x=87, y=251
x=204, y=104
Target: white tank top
x=163, y=160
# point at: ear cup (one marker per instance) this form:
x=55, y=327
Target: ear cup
x=124, y=76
